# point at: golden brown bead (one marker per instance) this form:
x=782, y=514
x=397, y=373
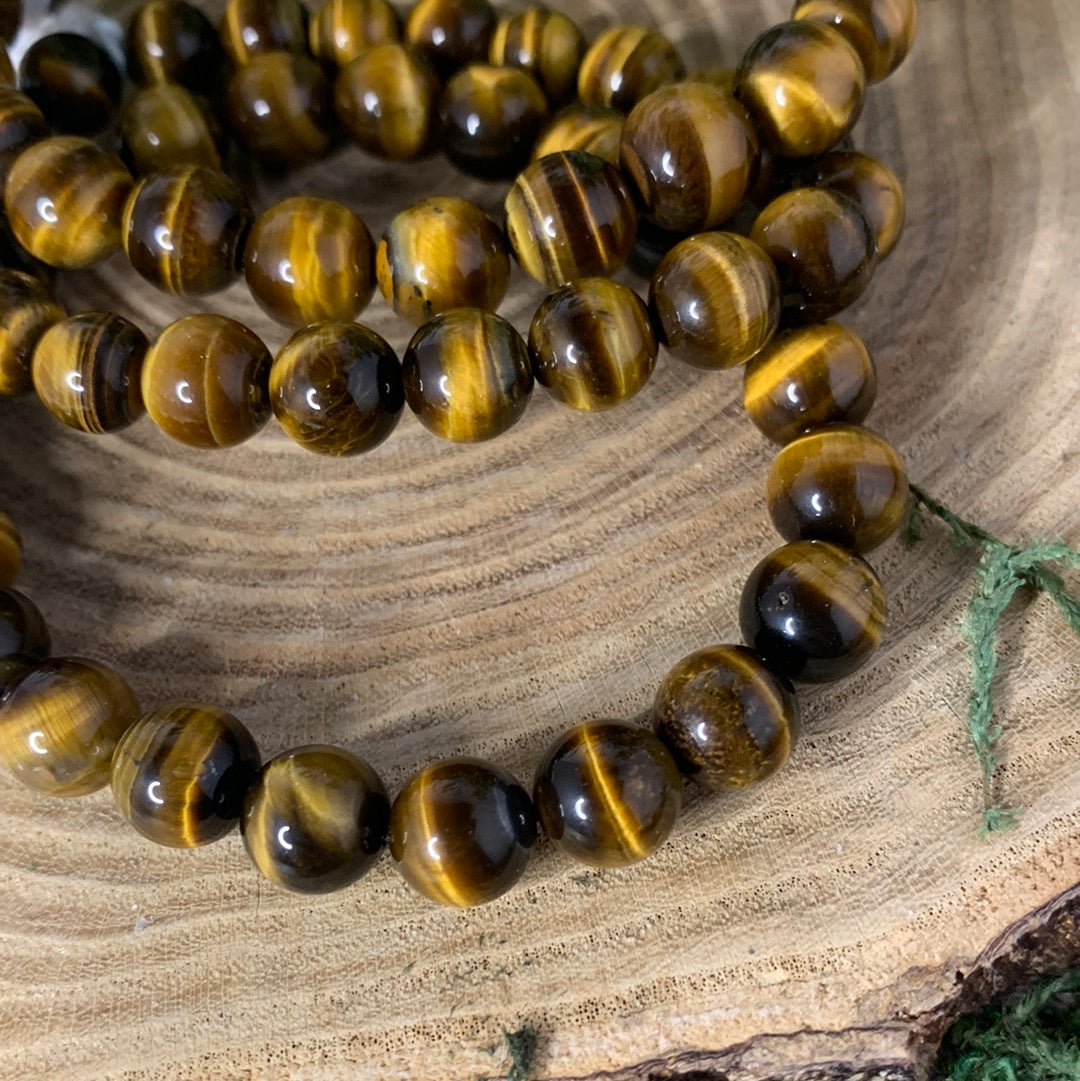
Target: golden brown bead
x=467, y=375
x=204, y=381
x=386, y=100
x=808, y=377
x=181, y=773
x=10, y=553
x=625, y=64
x=13, y=256
x=21, y=124
x=592, y=344
x=336, y=388
x=64, y=198
x=27, y=310
x=23, y=631
x=595, y=129
x=342, y=29
x=462, y=831
x=570, y=215
x=61, y=723
x=250, y=28
x=802, y=84
x=184, y=230
x=840, y=483
x=715, y=299
x=690, y=151
x=881, y=31
x=451, y=33
x=871, y=184
x=172, y=41
x=442, y=253
x=726, y=717
x=546, y=44
x=164, y=127
x=309, y=260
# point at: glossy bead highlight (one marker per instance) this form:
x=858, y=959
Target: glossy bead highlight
x=871, y=184
x=341, y=30
x=251, y=28
x=881, y=31
x=595, y=129
x=173, y=42
x=164, y=127
x=451, y=33
x=625, y=64
x=546, y=44
x=73, y=81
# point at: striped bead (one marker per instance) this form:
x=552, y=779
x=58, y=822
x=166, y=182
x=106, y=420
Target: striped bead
x=10, y=551
x=341, y=30
x=871, y=184
x=881, y=31
x=451, y=33
x=595, y=129
x=251, y=28
x=172, y=41
x=180, y=774
x=164, y=127
x=23, y=630
x=27, y=310
x=625, y=64
x=546, y=44
x=21, y=125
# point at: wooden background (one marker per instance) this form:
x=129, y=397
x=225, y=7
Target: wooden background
x=431, y=600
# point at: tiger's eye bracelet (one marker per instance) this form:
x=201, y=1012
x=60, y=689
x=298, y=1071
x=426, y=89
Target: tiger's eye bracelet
x=313, y=819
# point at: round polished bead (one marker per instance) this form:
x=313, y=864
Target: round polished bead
x=309, y=260
x=184, y=230
x=840, y=483
x=64, y=198
x=61, y=723
x=608, y=793
x=442, y=253
x=12, y=670
x=204, y=381
x=813, y=610
x=10, y=551
x=592, y=344
x=27, y=310
x=803, y=85
x=715, y=299
x=315, y=819
x=490, y=118
x=625, y=64
x=386, y=100
x=13, y=256
x=546, y=44
x=461, y=831
x=823, y=248
x=250, y=28
x=181, y=773
x=23, y=630
x=570, y=215
x=341, y=30
x=690, y=151
x=881, y=31
x=164, y=127
x=21, y=124
x=808, y=377
x=337, y=389
x=871, y=184
x=86, y=371
x=595, y=129
x=726, y=717
x=172, y=41
x=467, y=375
x=451, y=33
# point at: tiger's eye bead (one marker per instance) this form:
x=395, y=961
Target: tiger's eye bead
x=490, y=119
x=204, y=381
x=23, y=630
x=64, y=198
x=27, y=310
x=728, y=720
x=461, y=831
x=808, y=377
x=715, y=299
x=802, y=84
x=813, y=610
x=608, y=793
x=13, y=669
x=10, y=552
x=595, y=129
x=164, y=127
x=309, y=260
x=625, y=64
x=315, y=818
x=13, y=256
x=250, y=28
x=184, y=230
x=172, y=41
x=568, y=216
x=442, y=253
x=823, y=248
x=21, y=124
x=840, y=483
x=61, y=723
x=7, y=69
x=342, y=29
x=871, y=184
x=181, y=773
x=592, y=344
x=691, y=153
x=546, y=44
x=336, y=388
x=279, y=109
x=881, y=31
x=451, y=33
x=467, y=375
x=386, y=100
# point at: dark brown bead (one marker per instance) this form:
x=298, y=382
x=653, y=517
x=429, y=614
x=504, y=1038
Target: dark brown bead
x=343, y=29
x=570, y=215
x=11, y=17
x=462, y=831
x=625, y=64
x=27, y=310
x=164, y=127
x=21, y=124
x=726, y=717
x=61, y=723
x=315, y=819
x=881, y=31
x=595, y=129
x=7, y=69
x=386, y=100
x=184, y=230
x=309, y=260
x=10, y=553
x=808, y=377
x=451, y=33
x=181, y=773
x=23, y=630
x=814, y=611
x=871, y=184
x=12, y=670
x=823, y=248
x=204, y=381
x=592, y=344
x=172, y=41
x=546, y=44
x=840, y=483
x=250, y=28
x=336, y=388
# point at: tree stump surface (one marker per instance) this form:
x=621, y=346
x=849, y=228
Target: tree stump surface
x=430, y=600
